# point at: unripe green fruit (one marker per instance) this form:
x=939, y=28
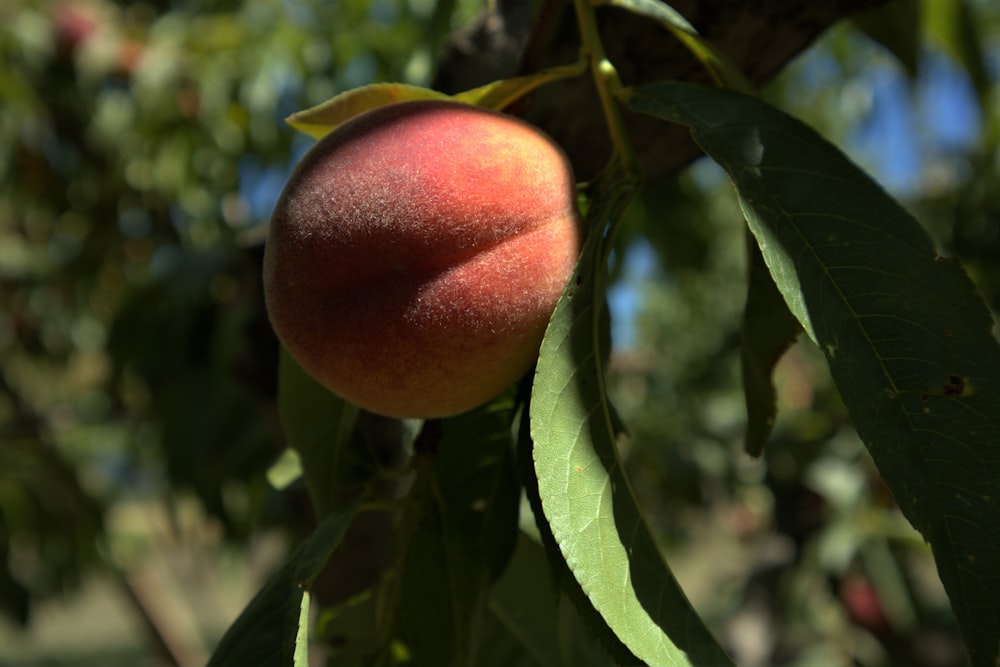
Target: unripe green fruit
x=416, y=254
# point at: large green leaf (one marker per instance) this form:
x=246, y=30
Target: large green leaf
x=908, y=338
x=585, y=495
x=563, y=577
x=272, y=630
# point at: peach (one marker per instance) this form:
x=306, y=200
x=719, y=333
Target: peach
x=416, y=254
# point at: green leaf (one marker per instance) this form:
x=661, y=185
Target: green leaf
x=319, y=426
x=272, y=630
x=323, y=118
x=264, y=634
x=478, y=482
x=443, y=584
x=523, y=609
x=300, y=656
x=528, y=616
x=501, y=94
x=564, y=579
x=585, y=495
x=908, y=338
x=769, y=329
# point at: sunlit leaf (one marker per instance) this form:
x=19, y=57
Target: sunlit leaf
x=300, y=655
x=501, y=94
x=586, y=497
x=320, y=120
x=564, y=579
x=908, y=338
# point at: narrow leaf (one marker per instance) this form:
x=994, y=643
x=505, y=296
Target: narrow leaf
x=501, y=94
x=908, y=338
x=769, y=329
x=586, y=496
x=271, y=631
x=321, y=119
x=300, y=656
x=264, y=633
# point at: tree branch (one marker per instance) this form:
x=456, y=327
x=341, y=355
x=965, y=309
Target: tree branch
x=759, y=36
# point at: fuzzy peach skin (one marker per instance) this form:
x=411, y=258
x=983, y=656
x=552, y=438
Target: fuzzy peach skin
x=416, y=254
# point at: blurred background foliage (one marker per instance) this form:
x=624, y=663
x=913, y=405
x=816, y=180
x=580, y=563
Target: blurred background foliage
x=141, y=148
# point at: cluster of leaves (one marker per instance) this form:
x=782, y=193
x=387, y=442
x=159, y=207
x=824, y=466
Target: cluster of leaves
x=140, y=145
x=907, y=337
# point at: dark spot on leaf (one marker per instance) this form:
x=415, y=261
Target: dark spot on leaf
x=579, y=279
x=954, y=386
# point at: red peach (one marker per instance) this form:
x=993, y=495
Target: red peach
x=416, y=255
